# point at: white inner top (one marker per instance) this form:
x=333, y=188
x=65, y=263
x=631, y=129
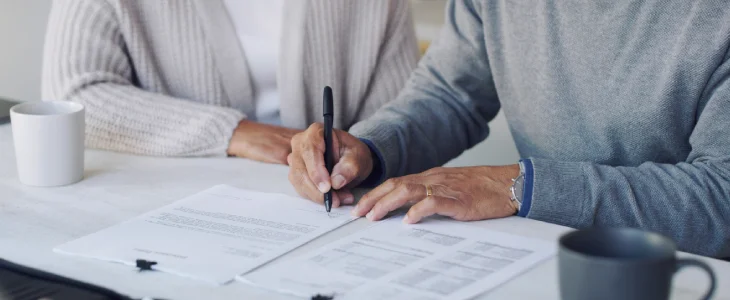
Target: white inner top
x=258, y=26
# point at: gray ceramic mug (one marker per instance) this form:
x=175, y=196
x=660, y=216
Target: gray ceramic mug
x=620, y=263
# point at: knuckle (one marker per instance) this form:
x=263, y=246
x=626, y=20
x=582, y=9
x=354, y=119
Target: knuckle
x=409, y=188
x=308, y=156
x=314, y=126
x=391, y=183
x=438, y=189
x=299, y=148
x=296, y=138
x=304, y=154
x=313, y=148
x=306, y=146
x=301, y=137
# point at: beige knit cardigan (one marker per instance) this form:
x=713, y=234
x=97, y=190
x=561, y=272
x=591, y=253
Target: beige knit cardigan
x=169, y=78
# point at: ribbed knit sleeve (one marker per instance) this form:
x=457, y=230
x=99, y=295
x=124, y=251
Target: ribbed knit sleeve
x=85, y=61
x=398, y=57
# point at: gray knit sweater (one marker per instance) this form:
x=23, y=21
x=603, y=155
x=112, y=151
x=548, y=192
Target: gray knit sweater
x=170, y=78
x=623, y=106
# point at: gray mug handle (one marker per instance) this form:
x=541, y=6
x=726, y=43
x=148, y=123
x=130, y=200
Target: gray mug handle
x=688, y=262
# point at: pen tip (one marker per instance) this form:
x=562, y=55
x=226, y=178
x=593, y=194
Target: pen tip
x=328, y=206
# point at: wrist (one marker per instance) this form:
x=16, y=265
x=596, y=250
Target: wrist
x=232, y=141
x=515, y=178
x=376, y=172
x=235, y=140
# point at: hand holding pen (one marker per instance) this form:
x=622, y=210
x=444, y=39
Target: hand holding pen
x=351, y=163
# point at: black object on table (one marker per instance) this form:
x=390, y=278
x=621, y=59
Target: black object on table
x=19, y=282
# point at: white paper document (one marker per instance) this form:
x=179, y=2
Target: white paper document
x=213, y=235
x=438, y=259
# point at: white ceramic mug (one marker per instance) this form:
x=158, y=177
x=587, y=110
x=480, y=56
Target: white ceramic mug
x=49, y=142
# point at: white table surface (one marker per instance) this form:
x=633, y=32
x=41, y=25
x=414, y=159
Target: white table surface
x=119, y=186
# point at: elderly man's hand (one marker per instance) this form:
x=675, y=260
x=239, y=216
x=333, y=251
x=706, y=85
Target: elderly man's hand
x=308, y=174
x=465, y=194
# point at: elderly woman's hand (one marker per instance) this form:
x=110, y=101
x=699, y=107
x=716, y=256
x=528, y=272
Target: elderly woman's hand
x=262, y=142
x=465, y=194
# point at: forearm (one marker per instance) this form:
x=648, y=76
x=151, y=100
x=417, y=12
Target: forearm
x=127, y=119
x=689, y=202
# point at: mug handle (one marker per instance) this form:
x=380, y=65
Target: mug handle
x=688, y=262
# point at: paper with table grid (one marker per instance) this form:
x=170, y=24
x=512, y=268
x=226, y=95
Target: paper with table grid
x=212, y=235
x=438, y=259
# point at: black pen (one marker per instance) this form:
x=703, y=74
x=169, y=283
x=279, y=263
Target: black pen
x=328, y=113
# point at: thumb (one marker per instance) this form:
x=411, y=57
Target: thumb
x=347, y=171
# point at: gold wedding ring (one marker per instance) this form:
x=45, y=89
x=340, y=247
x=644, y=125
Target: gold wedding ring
x=429, y=192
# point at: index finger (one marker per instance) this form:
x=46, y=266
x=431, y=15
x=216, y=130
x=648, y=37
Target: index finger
x=369, y=200
x=303, y=185
x=311, y=151
x=300, y=180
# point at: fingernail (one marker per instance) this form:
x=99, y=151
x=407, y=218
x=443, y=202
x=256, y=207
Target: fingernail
x=405, y=220
x=355, y=212
x=348, y=200
x=338, y=181
x=323, y=187
x=370, y=216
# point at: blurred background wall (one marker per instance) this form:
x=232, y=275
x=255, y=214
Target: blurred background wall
x=22, y=30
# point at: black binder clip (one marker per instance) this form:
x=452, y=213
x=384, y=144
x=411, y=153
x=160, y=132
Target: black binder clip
x=322, y=297
x=145, y=265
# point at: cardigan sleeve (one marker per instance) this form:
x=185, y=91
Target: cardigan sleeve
x=85, y=61
x=398, y=57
